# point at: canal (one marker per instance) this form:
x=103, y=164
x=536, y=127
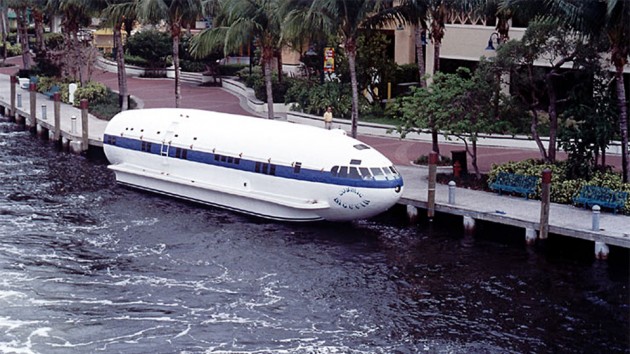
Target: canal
x=87, y=266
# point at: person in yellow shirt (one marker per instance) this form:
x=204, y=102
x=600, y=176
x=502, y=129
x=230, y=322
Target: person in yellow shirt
x=328, y=118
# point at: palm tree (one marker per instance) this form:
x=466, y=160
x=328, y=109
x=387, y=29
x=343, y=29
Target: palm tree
x=239, y=22
x=117, y=15
x=177, y=14
x=345, y=19
x=610, y=18
x=20, y=7
x=4, y=27
x=617, y=27
x=75, y=14
x=415, y=13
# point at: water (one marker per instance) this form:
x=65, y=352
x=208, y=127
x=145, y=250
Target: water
x=87, y=266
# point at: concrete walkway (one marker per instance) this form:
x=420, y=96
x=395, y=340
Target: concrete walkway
x=564, y=219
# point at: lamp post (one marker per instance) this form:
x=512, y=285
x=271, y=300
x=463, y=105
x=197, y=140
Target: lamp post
x=490, y=41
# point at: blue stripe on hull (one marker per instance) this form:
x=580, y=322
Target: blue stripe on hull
x=207, y=158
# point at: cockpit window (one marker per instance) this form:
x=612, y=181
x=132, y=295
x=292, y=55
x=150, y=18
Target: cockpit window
x=354, y=173
x=365, y=173
x=373, y=173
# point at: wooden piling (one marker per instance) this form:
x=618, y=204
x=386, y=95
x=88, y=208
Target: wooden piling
x=544, y=204
x=14, y=81
x=57, y=99
x=433, y=160
x=84, y=124
x=32, y=121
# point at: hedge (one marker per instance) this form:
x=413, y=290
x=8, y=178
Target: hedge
x=563, y=188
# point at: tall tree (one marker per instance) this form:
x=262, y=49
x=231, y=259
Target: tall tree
x=75, y=15
x=38, y=8
x=609, y=18
x=346, y=19
x=177, y=14
x=4, y=27
x=239, y=22
x=617, y=26
x=21, y=11
x=118, y=14
x=548, y=41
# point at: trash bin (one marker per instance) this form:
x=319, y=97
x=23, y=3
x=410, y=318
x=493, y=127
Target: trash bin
x=460, y=156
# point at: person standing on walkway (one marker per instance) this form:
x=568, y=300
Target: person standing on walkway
x=328, y=117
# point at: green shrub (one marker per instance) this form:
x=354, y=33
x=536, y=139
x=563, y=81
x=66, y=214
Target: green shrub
x=406, y=73
x=562, y=189
x=91, y=91
x=53, y=41
x=136, y=60
x=13, y=50
x=192, y=66
x=153, y=46
x=108, y=106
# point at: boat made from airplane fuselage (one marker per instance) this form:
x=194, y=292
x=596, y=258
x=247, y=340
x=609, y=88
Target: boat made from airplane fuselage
x=267, y=168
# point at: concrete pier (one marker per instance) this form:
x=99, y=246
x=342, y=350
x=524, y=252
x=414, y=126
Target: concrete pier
x=565, y=220
x=89, y=131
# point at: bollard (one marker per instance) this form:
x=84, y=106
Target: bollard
x=43, y=111
x=73, y=126
x=545, y=202
x=596, y=212
x=433, y=160
x=19, y=100
x=451, y=192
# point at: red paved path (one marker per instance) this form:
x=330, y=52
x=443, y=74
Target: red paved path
x=159, y=93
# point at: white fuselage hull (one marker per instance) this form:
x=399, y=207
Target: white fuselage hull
x=241, y=189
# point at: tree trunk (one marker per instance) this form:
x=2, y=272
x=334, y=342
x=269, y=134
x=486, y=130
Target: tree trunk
x=553, y=118
x=436, y=55
x=122, y=74
x=534, y=130
x=38, y=17
x=436, y=67
x=420, y=55
x=78, y=54
x=279, y=66
x=268, y=70
x=473, y=156
x=178, y=95
x=352, y=57
x=623, y=121
x=23, y=33
x=4, y=29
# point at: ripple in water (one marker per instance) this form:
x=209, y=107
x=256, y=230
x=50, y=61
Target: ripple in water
x=87, y=266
